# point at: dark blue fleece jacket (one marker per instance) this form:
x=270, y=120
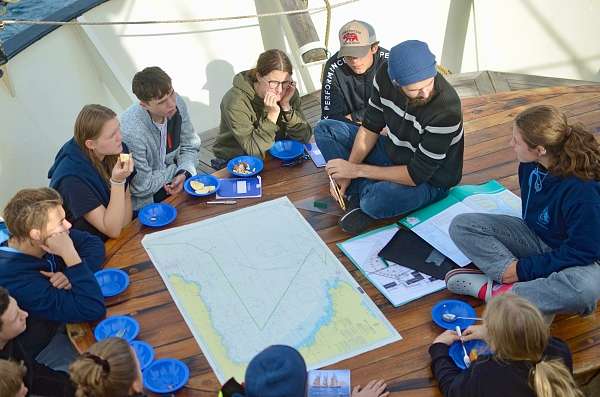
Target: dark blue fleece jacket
x=72, y=161
x=20, y=274
x=565, y=214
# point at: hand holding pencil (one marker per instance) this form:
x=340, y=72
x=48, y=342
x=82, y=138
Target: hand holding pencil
x=336, y=193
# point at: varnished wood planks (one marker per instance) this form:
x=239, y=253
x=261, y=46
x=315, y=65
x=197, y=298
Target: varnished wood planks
x=488, y=124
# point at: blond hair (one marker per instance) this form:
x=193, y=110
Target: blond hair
x=88, y=125
x=517, y=332
x=108, y=369
x=572, y=149
x=28, y=210
x=12, y=377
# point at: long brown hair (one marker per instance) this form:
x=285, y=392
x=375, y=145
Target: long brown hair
x=88, y=125
x=107, y=369
x=271, y=60
x=572, y=149
x=516, y=331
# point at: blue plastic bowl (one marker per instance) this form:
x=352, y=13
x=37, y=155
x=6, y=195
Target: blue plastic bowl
x=144, y=352
x=120, y=326
x=208, y=180
x=457, y=353
x=286, y=149
x=112, y=281
x=454, y=306
x=157, y=214
x=166, y=375
x=256, y=165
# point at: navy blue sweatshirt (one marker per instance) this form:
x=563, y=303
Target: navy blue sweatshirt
x=72, y=161
x=565, y=214
x=345, y=92
x=20, y=274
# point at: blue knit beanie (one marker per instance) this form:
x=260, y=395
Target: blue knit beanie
x=277, y=371
x=410, y=62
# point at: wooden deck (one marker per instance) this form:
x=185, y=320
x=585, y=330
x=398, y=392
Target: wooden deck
x=490, y=82
x=488, y=121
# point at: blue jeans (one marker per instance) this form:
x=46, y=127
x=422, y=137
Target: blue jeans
x=492, y=242
x=378, y=199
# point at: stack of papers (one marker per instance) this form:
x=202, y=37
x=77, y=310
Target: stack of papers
x=397, y=283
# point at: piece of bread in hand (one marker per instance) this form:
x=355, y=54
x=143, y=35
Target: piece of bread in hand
x=124, y=157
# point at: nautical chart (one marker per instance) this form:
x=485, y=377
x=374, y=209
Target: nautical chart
x=261, y=276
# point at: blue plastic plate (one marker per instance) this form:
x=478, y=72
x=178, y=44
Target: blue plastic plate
x=457, y=353
x=144, y=352
x=207, y=180
x=286, y=149
x=120, y=326
x=166, y=375
x=457, y=307
x=157, y=214
x=112, y=281
x=255, y=164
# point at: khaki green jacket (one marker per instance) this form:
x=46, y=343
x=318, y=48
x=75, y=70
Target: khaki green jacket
x=245, y=128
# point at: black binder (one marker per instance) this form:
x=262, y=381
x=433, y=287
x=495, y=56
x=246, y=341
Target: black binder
x=409, y=250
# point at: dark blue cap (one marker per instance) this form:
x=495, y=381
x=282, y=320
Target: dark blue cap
x=277, y=371
x=410, y=62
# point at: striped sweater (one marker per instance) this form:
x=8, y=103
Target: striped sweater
x=427, y=139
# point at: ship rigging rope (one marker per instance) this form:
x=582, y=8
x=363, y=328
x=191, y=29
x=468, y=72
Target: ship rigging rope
x=193, y=20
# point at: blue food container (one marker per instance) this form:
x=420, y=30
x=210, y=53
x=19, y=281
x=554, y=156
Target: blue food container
x=457, y=353
x=125, y=327
x=166, y=375
x=456, y=307
x=157, y=214
x=112, y=281
x=286, y=149
x=144, y=352
x=207, y=180
x=254, y=165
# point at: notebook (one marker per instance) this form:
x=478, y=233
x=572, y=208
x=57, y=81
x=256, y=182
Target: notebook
x=233, y=188
x=409, y=250
x=315, y=154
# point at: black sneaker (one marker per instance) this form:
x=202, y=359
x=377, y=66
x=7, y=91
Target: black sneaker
x=355, y=221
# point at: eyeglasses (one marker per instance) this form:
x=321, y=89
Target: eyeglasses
x=274, y=84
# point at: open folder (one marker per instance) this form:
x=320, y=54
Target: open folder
x=409, y=250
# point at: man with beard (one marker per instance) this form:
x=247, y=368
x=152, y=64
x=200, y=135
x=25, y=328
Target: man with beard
x=421, y=156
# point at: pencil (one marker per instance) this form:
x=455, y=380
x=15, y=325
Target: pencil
x=338, y=194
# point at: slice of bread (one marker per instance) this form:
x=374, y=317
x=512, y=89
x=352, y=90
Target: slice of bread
x=124, y=157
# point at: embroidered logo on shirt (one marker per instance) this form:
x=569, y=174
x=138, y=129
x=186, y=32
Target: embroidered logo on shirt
x=544, y=218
